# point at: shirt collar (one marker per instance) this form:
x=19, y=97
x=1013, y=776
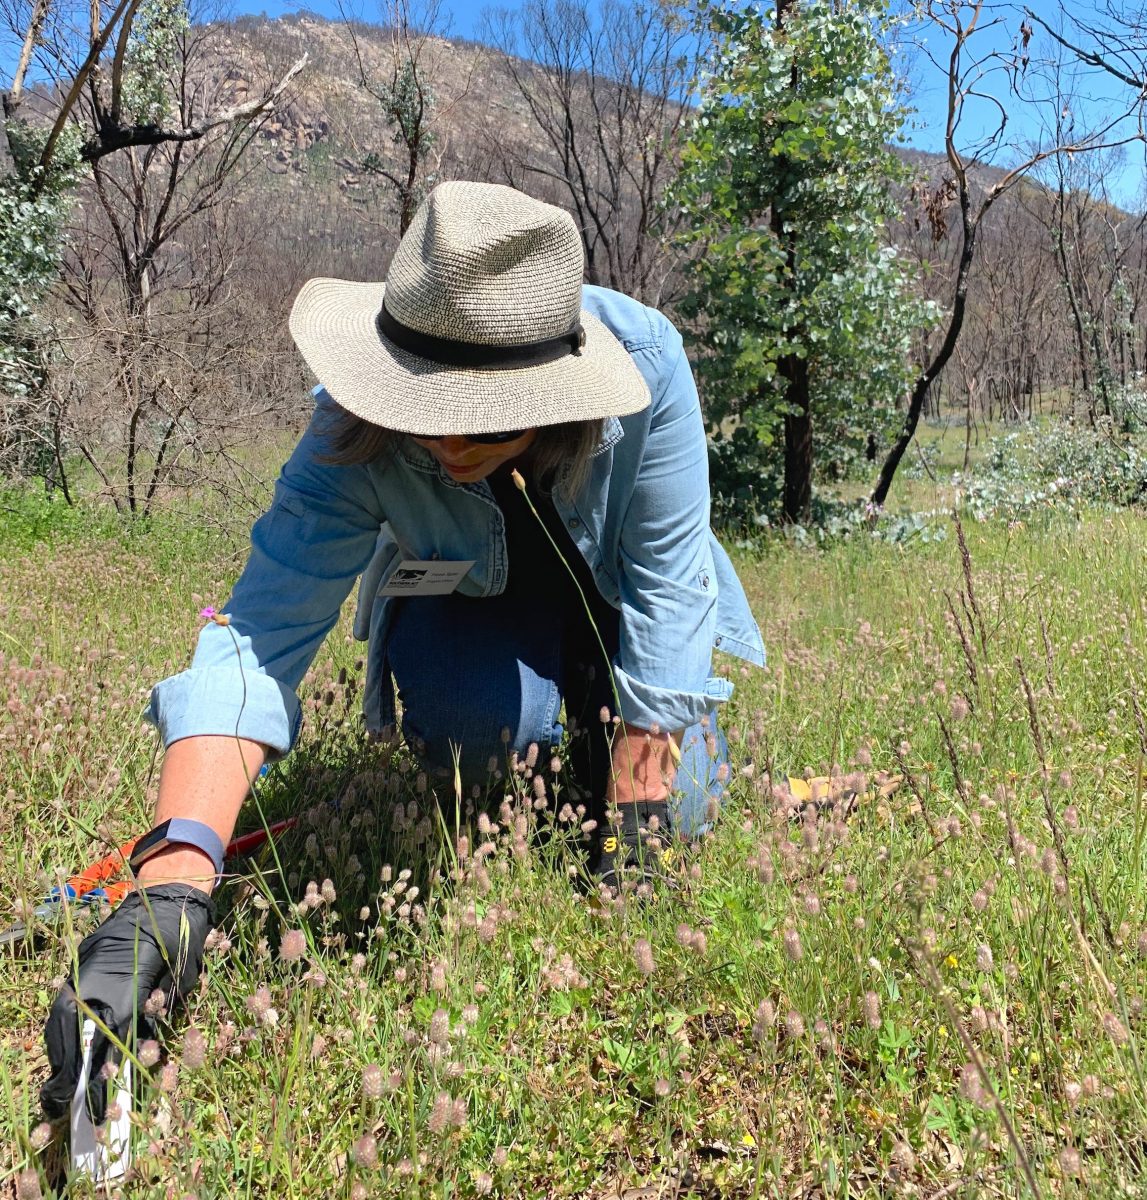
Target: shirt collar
x=611, y=433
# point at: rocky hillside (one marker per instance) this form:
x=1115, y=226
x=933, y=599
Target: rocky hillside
x=310, y=185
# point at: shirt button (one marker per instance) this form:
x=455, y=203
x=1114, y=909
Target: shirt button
x=704, y=580
x=574, y=523
x=717, y=640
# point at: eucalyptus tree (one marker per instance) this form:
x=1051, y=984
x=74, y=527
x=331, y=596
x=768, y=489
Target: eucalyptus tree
x=981, y=78
x=408, y=103
x=803, y=315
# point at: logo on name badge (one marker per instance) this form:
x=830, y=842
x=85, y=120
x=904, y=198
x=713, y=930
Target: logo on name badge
x=433, y=578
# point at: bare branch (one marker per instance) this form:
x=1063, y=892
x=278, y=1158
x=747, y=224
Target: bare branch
x=31, y=37
x=120, y=137
x=1089, y=57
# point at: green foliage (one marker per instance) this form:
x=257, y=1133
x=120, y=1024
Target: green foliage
x=797, y=123
x=31, y=517
x=153, y=47
x=29, y=255
x=407, y=104
x=1129, y=407
x=1062, y=466
x=33, y=206
x=38, y=523
x=744, y=481
x=32, y=211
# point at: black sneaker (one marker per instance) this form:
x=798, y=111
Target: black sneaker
x=634, y=846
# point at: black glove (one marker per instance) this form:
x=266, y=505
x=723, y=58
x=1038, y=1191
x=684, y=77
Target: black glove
x=153, y=940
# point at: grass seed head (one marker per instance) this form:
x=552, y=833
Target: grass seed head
x=293, y=946
x=365, y=1152
x=973, y=1088
x=794, y=951
x=441, y=1114
x=373, y=1085
x=440, y=1027
x=871, y=1010
x=903, y=1160
x=1070, y=1162
x=28, y=1185
x=1115, y=1029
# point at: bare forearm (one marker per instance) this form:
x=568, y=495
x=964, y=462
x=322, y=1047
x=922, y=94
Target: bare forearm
x=643, y=766
x=205, y=779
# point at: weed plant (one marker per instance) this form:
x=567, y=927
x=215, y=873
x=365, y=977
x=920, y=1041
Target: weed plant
x=928, y=981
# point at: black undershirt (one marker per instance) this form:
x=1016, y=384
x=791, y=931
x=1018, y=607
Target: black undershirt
x=535, y=568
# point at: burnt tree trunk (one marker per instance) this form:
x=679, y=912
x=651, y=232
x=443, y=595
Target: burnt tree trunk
x=796, y=501
x=943, y=354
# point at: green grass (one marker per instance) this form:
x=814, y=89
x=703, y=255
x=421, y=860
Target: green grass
x=823, y=1037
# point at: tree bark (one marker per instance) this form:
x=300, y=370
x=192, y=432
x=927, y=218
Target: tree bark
x=951, y=336
x=796, y=500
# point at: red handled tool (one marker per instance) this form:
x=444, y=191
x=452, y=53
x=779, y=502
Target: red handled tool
x=100, y=882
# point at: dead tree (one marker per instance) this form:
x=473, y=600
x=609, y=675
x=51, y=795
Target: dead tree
x=604, y=86
x=402, y=85
x=969, y=73
x=101, y=81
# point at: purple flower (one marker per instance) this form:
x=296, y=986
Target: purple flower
x=207, y=613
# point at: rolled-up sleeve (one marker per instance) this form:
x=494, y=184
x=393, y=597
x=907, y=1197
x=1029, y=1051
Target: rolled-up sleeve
x=668, y=583
x=306, y=552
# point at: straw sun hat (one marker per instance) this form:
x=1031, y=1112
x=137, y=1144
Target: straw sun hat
x=482, y=330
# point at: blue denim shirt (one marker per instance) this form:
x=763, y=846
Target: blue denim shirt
x=641, y=521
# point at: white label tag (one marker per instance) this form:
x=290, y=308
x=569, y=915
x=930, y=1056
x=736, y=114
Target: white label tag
x=415, y=578
x=101, y=1160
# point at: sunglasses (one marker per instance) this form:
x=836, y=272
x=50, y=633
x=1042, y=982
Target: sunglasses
x=482, y=439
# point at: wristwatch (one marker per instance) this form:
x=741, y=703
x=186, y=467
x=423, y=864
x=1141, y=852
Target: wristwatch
x=178, y=831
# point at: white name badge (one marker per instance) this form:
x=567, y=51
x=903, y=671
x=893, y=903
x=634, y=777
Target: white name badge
x=414, y=578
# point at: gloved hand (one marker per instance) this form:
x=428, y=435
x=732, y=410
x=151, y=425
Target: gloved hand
x=154, y=939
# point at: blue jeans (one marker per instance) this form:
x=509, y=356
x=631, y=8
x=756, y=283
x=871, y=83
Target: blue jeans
x=468, y=669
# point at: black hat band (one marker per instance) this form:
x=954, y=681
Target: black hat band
x=451, y=353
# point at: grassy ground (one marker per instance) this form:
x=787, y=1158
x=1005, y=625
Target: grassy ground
x=934, y=992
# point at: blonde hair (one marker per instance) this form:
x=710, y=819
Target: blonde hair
x=561, y=453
